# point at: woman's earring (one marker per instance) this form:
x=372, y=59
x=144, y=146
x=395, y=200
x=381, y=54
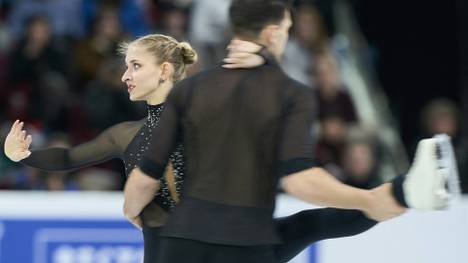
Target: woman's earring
x=161, y=81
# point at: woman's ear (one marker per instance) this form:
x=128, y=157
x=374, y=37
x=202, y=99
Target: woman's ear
x=167, y=70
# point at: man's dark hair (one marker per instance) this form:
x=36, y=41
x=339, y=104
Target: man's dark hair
x=249, y=17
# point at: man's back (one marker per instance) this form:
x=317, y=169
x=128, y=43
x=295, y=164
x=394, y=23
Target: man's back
x=237, y=125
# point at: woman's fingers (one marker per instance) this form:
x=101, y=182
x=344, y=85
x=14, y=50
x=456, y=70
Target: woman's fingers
x=232, y=60
x=13, y=127
x=239, y=55
x=243, y=46
x=22, y=135
x=231, y=66
x=28, y=141
x=18, y=129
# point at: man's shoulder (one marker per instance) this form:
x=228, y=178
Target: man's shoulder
x=210, y=71
x=186, y=85
x=295, y=87
x=267, y=72
x=283, y=78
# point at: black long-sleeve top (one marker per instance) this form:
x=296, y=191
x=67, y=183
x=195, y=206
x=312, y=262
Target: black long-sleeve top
x=127, y=141
x=241, y=130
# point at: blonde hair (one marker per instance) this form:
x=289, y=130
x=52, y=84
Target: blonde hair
x=166, y=49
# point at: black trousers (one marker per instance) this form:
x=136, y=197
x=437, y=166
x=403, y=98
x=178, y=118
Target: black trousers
x=175, y=250
x=151, y=240
x=297, y=231
x=302, y=229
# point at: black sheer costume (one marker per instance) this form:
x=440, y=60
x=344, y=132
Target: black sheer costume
x=127, y=141
x=241, y=130
x=230, y=122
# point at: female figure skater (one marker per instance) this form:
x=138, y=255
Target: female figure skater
x=154, y=63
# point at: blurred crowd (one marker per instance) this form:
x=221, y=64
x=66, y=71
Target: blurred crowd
x=60, y=74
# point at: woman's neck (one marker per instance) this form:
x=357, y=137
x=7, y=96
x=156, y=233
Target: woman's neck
x=160, y=94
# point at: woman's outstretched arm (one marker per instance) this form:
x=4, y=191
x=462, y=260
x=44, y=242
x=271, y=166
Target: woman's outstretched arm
x=104, y=147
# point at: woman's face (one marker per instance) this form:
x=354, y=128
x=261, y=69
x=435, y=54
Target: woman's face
x=142, y=74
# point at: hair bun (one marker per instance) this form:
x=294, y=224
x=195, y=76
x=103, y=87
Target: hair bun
x=189, y=55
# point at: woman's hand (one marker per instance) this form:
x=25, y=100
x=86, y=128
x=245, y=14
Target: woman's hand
x=136, y=221
x=17, y=143
x=242, y=54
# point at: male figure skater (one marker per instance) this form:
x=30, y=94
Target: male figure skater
x=243, y=132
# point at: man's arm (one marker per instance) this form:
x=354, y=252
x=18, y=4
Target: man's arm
x=315, y=185
x=139, y=190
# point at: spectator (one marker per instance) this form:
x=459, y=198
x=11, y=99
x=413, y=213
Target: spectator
x=209, y=30
x=360, y=164
x=332, y=95
x=308, y=39
x=5, y=42
x=100, y=45
x=106, y=100
x=440, y=116
x=174, y=23
x=99, y=179
x=331, y=142
x=64, y=19
x=32, y=62
x=134, y=16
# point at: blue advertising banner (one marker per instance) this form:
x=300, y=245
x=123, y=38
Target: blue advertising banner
x=73, y=241
x=81, y=227
x=88, y=227
x=68, y=241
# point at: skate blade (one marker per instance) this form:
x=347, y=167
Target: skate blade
x=447, y=164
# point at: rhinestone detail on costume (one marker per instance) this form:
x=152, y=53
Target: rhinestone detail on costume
x=137, y=149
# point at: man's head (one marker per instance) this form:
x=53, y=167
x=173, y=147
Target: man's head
x=266, y=22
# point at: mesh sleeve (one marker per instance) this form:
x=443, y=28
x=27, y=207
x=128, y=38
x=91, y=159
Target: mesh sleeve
x=109, y=144
x=297, y=143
